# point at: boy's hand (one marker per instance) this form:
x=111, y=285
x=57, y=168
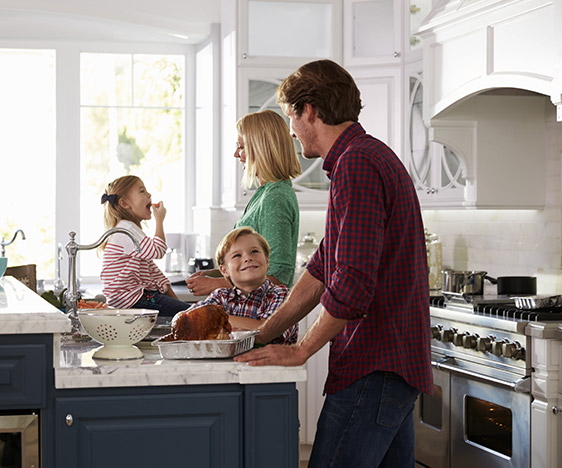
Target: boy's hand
x=159, y=211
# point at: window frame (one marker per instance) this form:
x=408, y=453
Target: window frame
x=67, y=76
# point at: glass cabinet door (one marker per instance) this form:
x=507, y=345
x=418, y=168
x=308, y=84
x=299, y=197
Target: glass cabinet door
x=438, y=173
x=261, y=96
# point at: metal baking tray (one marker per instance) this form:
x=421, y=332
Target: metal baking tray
x=538, y=302
x=240, y=342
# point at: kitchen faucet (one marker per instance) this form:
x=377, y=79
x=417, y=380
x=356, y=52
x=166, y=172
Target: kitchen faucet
x=71, y=295
x=3, y=243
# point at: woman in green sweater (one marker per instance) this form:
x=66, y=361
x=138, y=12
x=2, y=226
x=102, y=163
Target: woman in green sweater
x=267, y=149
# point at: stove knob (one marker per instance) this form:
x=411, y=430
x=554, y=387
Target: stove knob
x=483, y=344
x=509, y=350
x=435, y=333
x=458, y=338
x=469, y=341
x=446, y=336
x=497, y=348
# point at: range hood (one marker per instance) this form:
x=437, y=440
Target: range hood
x=473, y=46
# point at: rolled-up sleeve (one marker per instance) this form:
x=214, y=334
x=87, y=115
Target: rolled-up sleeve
x=356, y=239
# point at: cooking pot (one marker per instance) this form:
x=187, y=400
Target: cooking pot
x=464, y=282
x=515, y=285
x=472, y=282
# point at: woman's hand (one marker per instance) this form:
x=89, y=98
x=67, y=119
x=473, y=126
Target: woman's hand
x=201, y=285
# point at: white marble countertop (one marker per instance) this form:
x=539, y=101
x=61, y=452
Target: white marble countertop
x=75, y=367
x=23, y=311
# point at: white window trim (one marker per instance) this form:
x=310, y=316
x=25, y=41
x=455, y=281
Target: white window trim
x=67, y=198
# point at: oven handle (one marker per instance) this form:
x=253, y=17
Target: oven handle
x=522, y=385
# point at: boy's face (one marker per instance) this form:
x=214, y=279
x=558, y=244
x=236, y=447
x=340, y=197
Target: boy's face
x=245, y=264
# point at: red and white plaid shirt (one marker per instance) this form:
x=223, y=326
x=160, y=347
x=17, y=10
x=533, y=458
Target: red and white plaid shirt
x=260, y=304
x=126, y=273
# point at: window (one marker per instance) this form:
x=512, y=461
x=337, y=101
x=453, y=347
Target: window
x=28, y=148
x=132, y=115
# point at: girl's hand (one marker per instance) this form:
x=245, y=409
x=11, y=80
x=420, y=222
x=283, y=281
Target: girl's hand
x=159, y=211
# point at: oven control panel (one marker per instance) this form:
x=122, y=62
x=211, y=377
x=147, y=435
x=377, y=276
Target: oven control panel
x=479, y=344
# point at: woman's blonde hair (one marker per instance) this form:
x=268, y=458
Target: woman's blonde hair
x=229, y=240
x=270, y=149
x=113, y=212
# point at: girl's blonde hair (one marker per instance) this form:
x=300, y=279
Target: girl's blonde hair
x=228, y=241
x=113, y=212
x=270, y=149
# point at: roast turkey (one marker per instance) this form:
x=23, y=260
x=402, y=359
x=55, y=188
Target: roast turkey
x=207, y=322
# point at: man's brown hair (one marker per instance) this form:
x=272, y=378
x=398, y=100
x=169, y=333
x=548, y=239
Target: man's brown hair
x=327, y=87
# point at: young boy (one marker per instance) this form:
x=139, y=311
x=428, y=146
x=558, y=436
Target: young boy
x=243, y=259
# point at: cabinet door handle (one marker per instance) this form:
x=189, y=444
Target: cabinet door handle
x=244, y=55
x=69, y=420
x=396, y=54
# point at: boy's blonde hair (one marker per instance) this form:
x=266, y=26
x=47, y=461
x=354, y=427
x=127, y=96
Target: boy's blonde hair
x=229, y=240
x=270, y=149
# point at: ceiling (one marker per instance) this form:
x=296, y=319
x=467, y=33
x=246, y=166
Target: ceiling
x=178, y=21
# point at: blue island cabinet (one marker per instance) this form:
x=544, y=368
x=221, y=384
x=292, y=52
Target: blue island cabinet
x=198, y=426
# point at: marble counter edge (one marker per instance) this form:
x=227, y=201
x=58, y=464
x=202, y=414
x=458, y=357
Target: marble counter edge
x=174, y=373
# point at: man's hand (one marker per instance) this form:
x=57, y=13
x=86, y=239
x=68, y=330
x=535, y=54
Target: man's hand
x=274, y=355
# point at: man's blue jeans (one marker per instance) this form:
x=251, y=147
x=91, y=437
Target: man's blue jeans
x=368, y=424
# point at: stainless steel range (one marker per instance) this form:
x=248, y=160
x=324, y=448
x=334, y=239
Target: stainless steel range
x=496, y=385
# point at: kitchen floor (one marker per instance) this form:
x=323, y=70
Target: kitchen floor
x=304, y=455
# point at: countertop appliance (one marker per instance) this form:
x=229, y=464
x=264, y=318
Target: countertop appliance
x=489, y=360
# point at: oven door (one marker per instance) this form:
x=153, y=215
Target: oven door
x=19, y=440
x=490, y=425
x=431, y=423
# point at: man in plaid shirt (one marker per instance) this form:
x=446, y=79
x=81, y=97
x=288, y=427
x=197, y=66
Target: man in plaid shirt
x=370, y=275
x=243, y=259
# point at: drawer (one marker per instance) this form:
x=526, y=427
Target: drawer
x=23, y=376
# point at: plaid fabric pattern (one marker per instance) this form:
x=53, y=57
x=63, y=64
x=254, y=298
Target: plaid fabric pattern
x=373, y=264
x=260, y=304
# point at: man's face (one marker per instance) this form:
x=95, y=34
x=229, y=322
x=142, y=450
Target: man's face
x=303, y=130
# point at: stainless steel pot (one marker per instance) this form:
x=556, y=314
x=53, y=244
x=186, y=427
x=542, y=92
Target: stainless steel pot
x=464, y=282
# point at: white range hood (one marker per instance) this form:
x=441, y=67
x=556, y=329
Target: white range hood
x=472, y=46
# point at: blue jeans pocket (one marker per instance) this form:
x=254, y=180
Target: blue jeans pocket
x=397, y=400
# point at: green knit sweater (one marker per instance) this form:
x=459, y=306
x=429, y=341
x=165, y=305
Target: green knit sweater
x=273, y=211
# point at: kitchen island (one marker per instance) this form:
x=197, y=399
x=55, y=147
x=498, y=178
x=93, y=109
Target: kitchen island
x=146, y=412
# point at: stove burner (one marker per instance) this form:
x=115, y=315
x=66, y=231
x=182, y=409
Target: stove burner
x=507, y=311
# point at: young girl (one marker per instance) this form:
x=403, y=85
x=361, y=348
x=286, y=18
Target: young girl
x=131, y=279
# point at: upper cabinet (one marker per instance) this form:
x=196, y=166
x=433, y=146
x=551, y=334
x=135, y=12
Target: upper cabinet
x=372, y=32
x=257, y=93
x=438, y=172
x=288, y=32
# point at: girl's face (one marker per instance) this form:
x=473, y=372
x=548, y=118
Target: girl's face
x=240, y=151
x=138, y=202
x=246, y=264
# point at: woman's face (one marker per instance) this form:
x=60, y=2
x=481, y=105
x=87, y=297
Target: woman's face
x=240, y=152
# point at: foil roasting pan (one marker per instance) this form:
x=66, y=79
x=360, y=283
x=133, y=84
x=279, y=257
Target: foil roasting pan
x=240, y=342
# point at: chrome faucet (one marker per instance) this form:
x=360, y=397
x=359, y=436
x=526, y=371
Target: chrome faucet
x=58, y=285
x=3, y=243
x=72, y=295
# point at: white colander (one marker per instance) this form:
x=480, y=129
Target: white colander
x=118, y=330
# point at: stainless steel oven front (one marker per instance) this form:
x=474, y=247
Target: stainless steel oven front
x=472, y=420
x=19, y=440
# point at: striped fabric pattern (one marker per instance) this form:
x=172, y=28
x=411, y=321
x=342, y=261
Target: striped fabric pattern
x=373, y=264
x=127, y=273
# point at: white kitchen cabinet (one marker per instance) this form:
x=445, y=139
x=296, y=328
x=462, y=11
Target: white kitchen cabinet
x=417, y=11
x=381, y=99
x=288, y=32
x=311, y=392
x=438, y=172
x=372, y=32
x=256, y=92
